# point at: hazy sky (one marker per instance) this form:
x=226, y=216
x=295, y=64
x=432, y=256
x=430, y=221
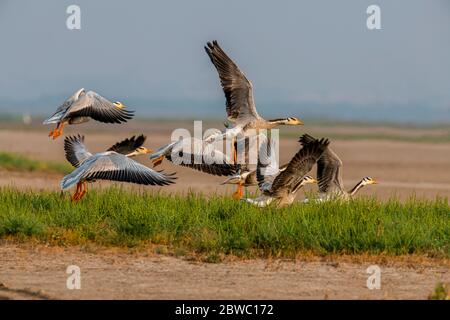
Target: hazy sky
x=150, y=53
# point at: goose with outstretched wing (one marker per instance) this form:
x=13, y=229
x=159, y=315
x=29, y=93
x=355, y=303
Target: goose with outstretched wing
x=114, y=165
x=329, y=174
x=240, y=104
x=82, y=106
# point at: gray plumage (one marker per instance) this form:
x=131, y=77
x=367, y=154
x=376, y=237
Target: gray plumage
x=329, y=174
x=277, y=183
x=238, y=90
x=75, y=150
x=108, y=165
x=84, y=105
x=219, y=165
x=329, y=168
x=240, y=105
x=281, y=186
x=128, y=145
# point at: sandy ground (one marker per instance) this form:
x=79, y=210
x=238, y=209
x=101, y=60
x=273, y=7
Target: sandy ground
x=402, y=168
x=38, y=272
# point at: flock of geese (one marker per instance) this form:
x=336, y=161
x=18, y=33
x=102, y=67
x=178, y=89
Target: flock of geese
x=278, y=184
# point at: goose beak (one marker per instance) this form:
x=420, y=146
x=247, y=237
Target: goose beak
x=140, y=151
x=119, y=105
x=296, y=122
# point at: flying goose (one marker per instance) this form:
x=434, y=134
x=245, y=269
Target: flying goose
x=83, y=105
x=240, y=105
x=329, y=174
x=114, y=165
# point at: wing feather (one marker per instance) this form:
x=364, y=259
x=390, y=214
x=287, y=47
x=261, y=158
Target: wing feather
x=75, y=150
x=267, y=168
x=117, y=167
x=238, y=89
x=180, y=153
x=128, y=145
x=298, y=167
x=98, y=108
x=329, y=167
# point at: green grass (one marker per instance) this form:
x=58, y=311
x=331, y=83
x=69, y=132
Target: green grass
x=219, y=225
x=440, y=292
x=18, y=162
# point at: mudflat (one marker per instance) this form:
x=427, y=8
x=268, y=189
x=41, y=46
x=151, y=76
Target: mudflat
x=39, y=272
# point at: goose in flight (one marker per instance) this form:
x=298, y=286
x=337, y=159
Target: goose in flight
x=281, y=186
x=83, y=105
x=200, y=156
x=329, y=174
x=240, y=104
x=114, y=165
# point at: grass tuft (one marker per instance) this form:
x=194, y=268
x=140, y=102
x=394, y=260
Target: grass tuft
x=440, y=292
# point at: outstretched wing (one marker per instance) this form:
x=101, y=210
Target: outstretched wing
x=329, y=168
x=128, y=145
x=204, y=158
x=215, y=169
x=237, y=88
x=116, y=167
x=93, y=105
x=299, y=166
x=75, y=150
x=268, y=165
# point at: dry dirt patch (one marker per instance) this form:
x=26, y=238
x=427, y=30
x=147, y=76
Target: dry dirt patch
x=39, y=272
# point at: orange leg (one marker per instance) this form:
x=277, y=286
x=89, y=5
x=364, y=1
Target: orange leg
x=59, y=130
x=238, y=194
x=53, y=132
x=75, y=196
x=83, y=191
x=158, y=161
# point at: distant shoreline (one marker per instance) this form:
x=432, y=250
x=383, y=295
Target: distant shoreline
x=15, y=118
